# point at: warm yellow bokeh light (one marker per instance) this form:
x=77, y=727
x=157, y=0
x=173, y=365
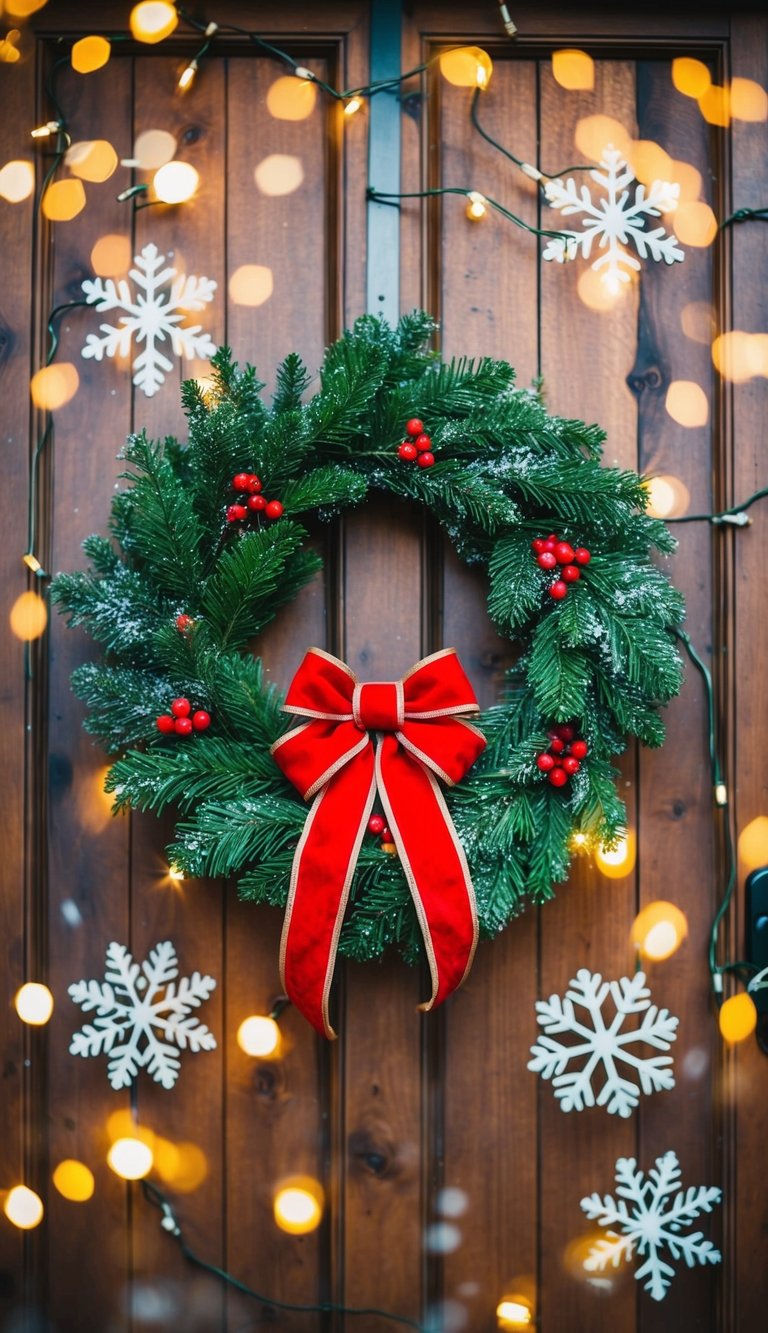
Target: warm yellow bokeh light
x=574, y=70
x=690, y=76
x=23, y=1207
x=55, y=385
x=90, y=53
x=259, y=1035
x=298, y=1205
x=599, y=295
x=749, y=100
x=153, y=148
x=111, y=255
x=92, y=159
x=668, y=497
x=618, y=861
x=594, y=134
x=290, y=98
x=63, y=200
x=17, y=180
x=34, y=1003
x=121, y=1125
x=688, y=177
x=9, y=51
x=184, y=1166
x=477, y=206
x=352, y=106
x=280, y=173
x=514, y=1312
x=715, y=105
x=650, y=162
x=466, y=67
x=152, y=20
x=697, y=320
x=28, y=616
x=686, y=403
x=21, y=9
x=753, y=843
x=176, y=182
x=251, y=284
x=738, y=1017
x=658, y=930
x=130, y=1158
x=694, y=223
x=739, y=356
x=74, y=1180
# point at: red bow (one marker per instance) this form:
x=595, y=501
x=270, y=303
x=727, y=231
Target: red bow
x=332, y=758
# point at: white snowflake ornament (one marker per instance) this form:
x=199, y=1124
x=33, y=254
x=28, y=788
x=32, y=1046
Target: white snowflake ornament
x=615, y=221
x=599, y=1046
x=649, y=1216
x=143, y=1017
x=153, y=316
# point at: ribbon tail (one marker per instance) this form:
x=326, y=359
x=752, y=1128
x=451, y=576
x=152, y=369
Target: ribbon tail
x=321, y=878
x=434, y=863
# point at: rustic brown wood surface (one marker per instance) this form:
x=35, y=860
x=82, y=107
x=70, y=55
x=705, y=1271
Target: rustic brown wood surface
x=451, y=1177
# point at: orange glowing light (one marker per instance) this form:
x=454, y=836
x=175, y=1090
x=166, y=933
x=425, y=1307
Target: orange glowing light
x=153, y=149
x=695, y=224
x=176, y=182
x=28, y=616
x=687, y=404
x=184, y=1166
x=593, y=134
x=599, y=295
x=668, y=496
x=737, y=1018
x=63, y=200
x=690, y=77
x=650, y=162
x=715, y=105
x=111, y=255
x=688, y=178
x=659, y=930
x=280, y=173
x=74, y=1180
x=17, y=180
x=152, y=20
x=259, y=1035
x=739, y=356
x=298, y=1205
x=290, y=98
x=749, y=100
x=21, y=9
x=55, y=385
x=574, y=70
x=9, y=51
x=34, y=1003
x=23, y=1207
x=90, y=53
x=514, y=1312
x=618, y=861
x=92, y=159
x=251, y=284
x=466, y=67
x=130, y=1158
x=753, y=843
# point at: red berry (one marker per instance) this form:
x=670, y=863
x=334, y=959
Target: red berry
x=407, y=451
x=550, y=544
x=201, y=720
x=256, y=502
x=570, y=573
x=565, y=732
x=546, y=560
x=581, y=555
x=236, y=512
x=558, y=777
x=165, y=724
x=579, y=749
x=571, y=765
x=426, y=459
x=240, y=481
x=183, y=726
x=556, y=745
x=545, y=762
x=254, y=483
x=183, y=623
x=538, y=544
x=385, y=834
x=413, y=426
x=553, y=537
x=274, y=509
x=376, y=825
x=564, y=553
x=558, y=590
x=423, y=442
x=181, y=708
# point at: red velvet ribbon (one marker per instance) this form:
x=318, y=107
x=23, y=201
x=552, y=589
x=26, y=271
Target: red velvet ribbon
x=331, y=757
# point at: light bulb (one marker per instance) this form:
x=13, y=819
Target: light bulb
x=32, y=562
x=23, y=1207
x=74, y=1180
x=90, y=53
x=44, y=131
x=738, y=1017
x=659, y=930
x=152, y=20
x=618, y=861
x=259, y=1035
x=476, y=206
x=187, y=76
x=467, y=67
x=175, y=873
x=176, y=182
x=34, y=1003
x=298, y=1206
x=130, y=1158
x=352, y=105
x=513, y=1312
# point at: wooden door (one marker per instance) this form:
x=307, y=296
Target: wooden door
x=451, y=1177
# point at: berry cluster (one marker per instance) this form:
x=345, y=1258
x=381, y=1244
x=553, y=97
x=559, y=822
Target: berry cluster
x=377, y=825
x=250, y=501
x=179, y=722
x=418, y=448
x=564, y=756
x=184, y=623
x=552, y=551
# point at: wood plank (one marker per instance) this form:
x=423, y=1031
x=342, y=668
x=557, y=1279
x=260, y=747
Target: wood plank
x=746, y=1208
x=585, y=358
x=87, y=850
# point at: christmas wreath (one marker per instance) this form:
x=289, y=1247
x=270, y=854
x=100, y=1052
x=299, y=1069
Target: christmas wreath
x=207, y=544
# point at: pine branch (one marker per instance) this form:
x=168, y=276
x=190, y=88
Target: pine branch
x=165, y=534
x=241, y=596
x=292, y=381
x=185, y=775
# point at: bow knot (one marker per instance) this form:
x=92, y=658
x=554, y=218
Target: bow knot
x=379, y=706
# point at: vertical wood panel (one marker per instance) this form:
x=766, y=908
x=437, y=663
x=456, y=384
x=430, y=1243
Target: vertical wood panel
x=88, y=851
x=585, y=357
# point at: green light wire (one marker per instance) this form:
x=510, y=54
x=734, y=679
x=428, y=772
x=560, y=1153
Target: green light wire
x=465, y=192
x=475, y=119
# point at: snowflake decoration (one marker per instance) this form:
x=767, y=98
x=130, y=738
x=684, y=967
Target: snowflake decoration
x=648, y=1219
x=154, y=315
x=142, y=1004
x=603, y=1046
x=614, y=221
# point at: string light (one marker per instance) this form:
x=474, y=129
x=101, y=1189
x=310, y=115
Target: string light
x=476, y=206
x=512, y=1312
x=74, y=1180
x=32, y=562
x=23, y=1207
x=153, y=20
x=90, y=53
x=130, y=1158
x=259, y=1035
x=45, y=131
x=175, y=873
x=509, y=27
x=737, y=1018
x=352, y=105
x=298, y=1205
x=176, y=182
x=34, y=1003
x=187, y=76
x=659, y=930
x=617, y=861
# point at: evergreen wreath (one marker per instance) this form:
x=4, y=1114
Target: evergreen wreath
x=201, y=561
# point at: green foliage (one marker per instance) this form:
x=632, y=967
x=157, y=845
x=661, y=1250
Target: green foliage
x=506, y=471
